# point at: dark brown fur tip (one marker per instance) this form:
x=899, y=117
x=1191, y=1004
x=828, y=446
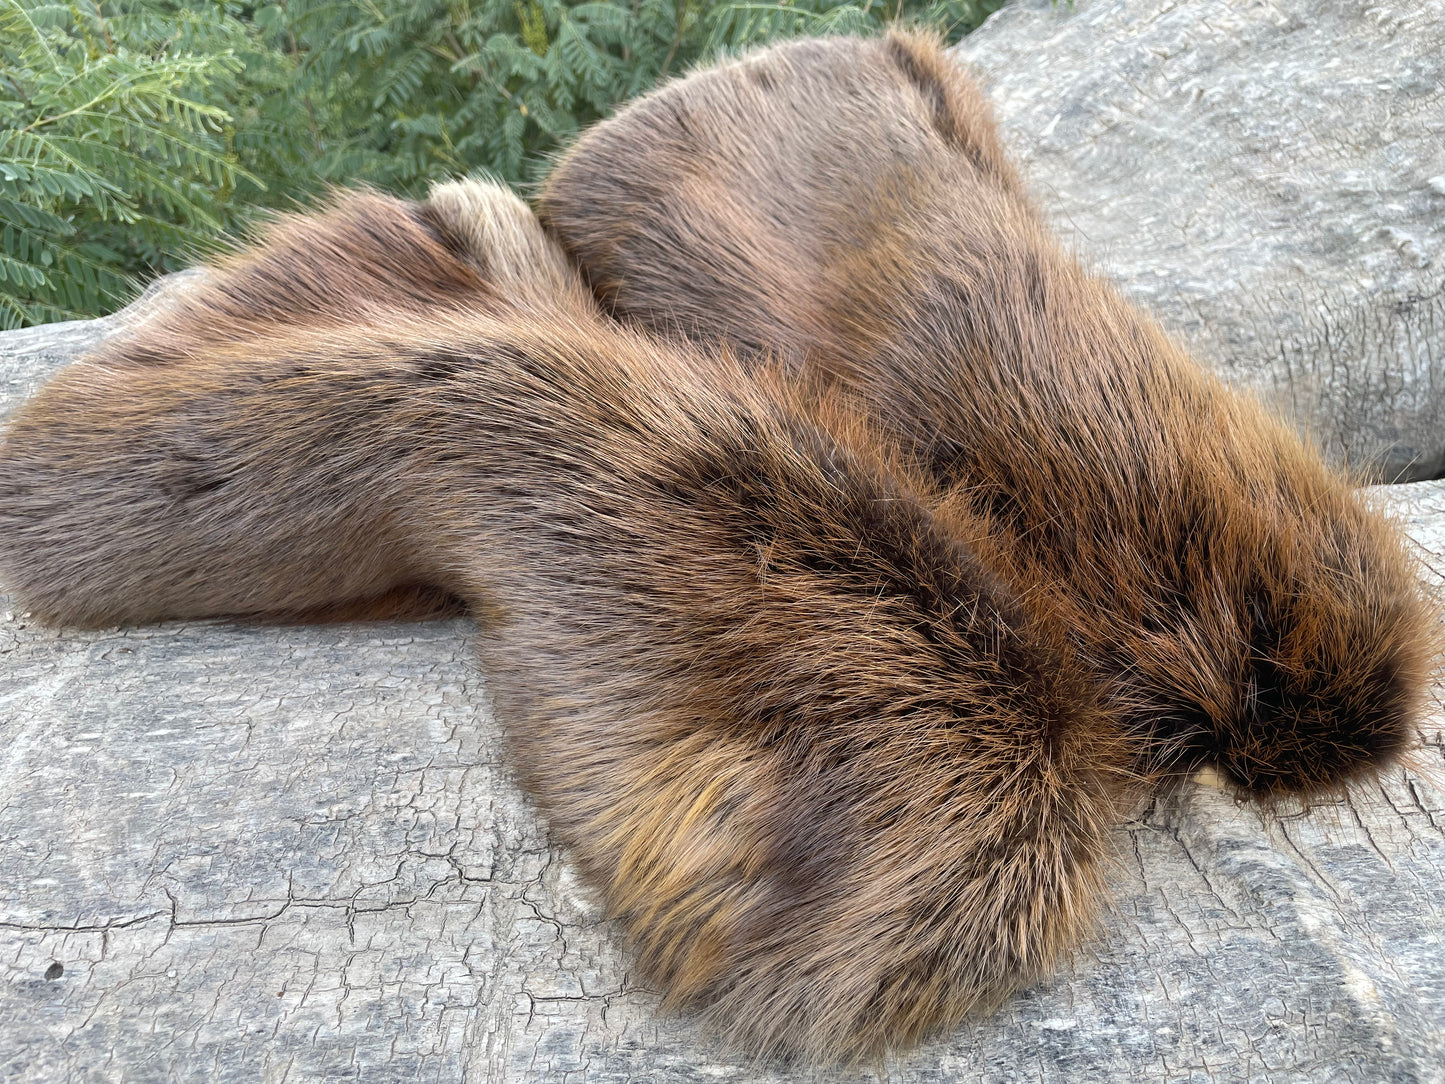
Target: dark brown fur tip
x=845, y=205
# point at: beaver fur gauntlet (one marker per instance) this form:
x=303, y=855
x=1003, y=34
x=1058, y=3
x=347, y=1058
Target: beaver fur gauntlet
x=847, y=559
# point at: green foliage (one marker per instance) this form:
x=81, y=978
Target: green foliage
x=411, y=90
x=112, y=148
x=133, y=133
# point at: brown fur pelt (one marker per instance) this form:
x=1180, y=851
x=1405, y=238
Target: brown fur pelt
x=839, y=781
x=845, y=204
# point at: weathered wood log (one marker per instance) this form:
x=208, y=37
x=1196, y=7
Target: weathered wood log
x=1268, y=178
x=239, y=852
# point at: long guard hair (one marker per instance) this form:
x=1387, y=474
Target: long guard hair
x=846, y=204
x=838, y=780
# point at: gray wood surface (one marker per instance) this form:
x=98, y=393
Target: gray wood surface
x=234, y=853
x=289, y=854
x=1268, y=176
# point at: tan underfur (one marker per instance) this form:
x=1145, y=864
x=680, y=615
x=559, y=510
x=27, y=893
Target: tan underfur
x=502, y=239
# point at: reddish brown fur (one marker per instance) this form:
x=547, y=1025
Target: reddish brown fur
x=845, y=204
x=839, y=782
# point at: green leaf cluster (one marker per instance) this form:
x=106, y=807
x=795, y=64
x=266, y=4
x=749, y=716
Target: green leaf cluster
x=113, y=147
x=134, y=133
x=406, y=91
